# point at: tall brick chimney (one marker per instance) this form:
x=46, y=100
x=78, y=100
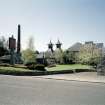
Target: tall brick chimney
x=19, y=39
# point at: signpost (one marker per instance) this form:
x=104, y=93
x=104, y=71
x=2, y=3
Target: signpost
x=12, y=47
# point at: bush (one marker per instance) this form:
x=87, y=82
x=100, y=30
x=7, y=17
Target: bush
x=33, y=66
x=40, y=67
x=29, y=63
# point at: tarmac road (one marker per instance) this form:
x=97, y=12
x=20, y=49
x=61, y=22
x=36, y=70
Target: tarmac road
x=18, y=90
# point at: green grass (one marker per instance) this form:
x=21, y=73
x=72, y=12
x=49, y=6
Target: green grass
x=13, y=68
x=17, y=70
x=14, y=71
x=68, y=67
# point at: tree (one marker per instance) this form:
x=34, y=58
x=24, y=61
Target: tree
x=69, y=57
x=65, y=57
x=29, y=55
x=58, y=56
x=3, y=46
x=89, y=54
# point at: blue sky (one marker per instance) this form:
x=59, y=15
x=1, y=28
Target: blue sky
x=69, y=21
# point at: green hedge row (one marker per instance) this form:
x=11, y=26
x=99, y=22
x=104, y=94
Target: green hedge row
x=37, y=73
x=20, y=73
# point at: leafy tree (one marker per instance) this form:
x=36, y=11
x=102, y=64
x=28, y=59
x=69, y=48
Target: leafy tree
x=69, y=57
x=3, y=46
x=29, y=54
x=58, y=56
x=65, y=57
x=89, y=54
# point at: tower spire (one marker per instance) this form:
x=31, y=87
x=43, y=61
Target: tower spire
x=58, y=44
x=50, y=46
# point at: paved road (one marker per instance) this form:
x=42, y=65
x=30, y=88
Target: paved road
x=82, y=76
x=38, y=91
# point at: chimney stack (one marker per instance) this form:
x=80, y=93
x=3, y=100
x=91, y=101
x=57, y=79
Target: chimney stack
x=19, y=39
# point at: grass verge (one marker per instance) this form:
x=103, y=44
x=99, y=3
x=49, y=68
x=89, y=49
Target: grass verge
x=18, y=71
x=59, y=69
x=69, y=67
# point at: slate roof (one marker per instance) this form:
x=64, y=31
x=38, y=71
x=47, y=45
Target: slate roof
x=50, y=43
x=99, y=45
x=76, y=47
x=40, y=55
x=58, y=42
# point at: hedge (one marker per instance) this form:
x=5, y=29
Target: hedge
x=37, y=73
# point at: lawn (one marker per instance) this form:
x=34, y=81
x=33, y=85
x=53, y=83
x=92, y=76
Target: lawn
x=19, y=71
x=68, y=67
x=59, y=69
x=13, y=68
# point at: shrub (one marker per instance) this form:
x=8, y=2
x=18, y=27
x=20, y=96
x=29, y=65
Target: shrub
x=40, y=67
x=30, y=63
x=33, y=66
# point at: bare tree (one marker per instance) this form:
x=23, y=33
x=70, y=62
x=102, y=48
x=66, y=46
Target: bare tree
x=31, y=43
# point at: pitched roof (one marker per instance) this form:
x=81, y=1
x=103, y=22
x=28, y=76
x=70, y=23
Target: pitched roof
x=50, y=43
x=40, y=55
x=99, y=45
x=75, y=47
x=58, y=42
